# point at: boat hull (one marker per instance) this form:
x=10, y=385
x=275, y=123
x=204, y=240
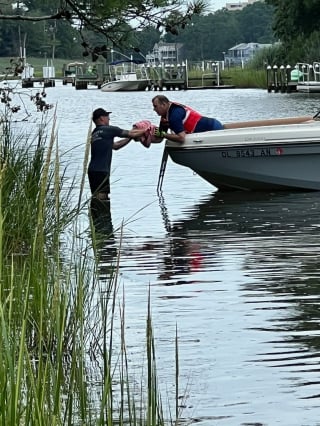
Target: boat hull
x=254, y=159
x=308, y=86
x=125, y=86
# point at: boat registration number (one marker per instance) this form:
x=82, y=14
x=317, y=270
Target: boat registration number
x=252, y=152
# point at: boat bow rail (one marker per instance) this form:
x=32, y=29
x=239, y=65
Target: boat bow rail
x=308, y=132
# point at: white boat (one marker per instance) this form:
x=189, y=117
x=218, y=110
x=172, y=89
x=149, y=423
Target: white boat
x=281, y=154
x=126, y=76
x=308, y=77
x=71, y=71
x=311, y=86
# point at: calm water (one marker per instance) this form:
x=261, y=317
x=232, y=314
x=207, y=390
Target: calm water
x=238, y=274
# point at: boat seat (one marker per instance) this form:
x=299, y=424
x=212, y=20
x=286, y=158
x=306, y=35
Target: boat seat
x=269, y=122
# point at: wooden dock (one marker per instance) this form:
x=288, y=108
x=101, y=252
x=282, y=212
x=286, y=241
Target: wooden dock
x=287, y=87
x=221, y=86
x=81, y=82
x=29, y=82
x=279, y=79
x=168, y=77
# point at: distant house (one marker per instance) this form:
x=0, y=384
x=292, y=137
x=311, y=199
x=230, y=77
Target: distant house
x=165, y=53
x=240, y=54
x=239, y=5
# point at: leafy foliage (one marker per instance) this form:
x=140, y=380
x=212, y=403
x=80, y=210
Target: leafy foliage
x=255, y=23
x=297, y=17
x=207, y=37
x=108, y=18
x=204, y=36
x=296, y=24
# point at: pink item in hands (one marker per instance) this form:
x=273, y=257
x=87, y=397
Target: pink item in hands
x=148, y=136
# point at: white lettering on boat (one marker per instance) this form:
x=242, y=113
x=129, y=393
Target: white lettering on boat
x=247, y=153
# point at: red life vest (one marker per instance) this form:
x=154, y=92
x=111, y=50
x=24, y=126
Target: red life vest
x=191, y=119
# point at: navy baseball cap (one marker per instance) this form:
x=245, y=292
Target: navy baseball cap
x=99, y=112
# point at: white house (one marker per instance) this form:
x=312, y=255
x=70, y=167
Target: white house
x=242, y=53
x=239, y=5
x=165, y=53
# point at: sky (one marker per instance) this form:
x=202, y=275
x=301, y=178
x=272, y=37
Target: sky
x=218, y=4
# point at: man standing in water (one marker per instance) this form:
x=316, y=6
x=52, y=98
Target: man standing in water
x=102, y=144
x=181, y=119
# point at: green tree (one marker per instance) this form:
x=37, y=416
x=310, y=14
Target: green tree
x=255, y=23
x=208, y=36
x=145, y=40
x=295, y=18
x=296, y=24
x=107, y=17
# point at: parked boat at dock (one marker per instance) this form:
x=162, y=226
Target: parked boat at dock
x=308, y=77
x=308, y=86
x=281, y=154
x=126, y=75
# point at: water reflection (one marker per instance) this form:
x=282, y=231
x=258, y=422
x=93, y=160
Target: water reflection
x=181, y=255
x=274, y=239
x=275, y=222
x=240, y=274
x=103, y=236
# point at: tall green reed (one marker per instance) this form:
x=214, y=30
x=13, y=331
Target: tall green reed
x=246, y=78
x=60, y=363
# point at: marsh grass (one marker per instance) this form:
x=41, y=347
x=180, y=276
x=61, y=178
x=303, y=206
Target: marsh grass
x=61, y=359
x=242, y=78
x=245, y=78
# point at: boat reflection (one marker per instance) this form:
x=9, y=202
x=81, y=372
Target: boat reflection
x=216, y=225
x=269, y=245
x=251, y=219
x=182, y=255
x=270, y=232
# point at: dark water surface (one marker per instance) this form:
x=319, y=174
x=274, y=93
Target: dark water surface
x=238, y=274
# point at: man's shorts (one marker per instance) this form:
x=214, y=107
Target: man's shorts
x=99, y=183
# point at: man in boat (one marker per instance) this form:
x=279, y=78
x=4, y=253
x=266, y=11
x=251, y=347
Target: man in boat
x=102, y=144
x=180, y=119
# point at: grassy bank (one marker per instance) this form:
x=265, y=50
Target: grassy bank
x=245, y=78
x=60, y=360
x=241, y=78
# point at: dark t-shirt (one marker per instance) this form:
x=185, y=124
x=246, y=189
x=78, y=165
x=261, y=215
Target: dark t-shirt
x=101, y=147
x=177, y=114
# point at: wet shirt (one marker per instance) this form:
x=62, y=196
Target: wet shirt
x=177, y=114
x=101, y=147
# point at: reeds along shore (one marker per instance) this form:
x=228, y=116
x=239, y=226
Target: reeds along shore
x=60, y=362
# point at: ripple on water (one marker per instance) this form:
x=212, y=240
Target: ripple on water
x=238, y=274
